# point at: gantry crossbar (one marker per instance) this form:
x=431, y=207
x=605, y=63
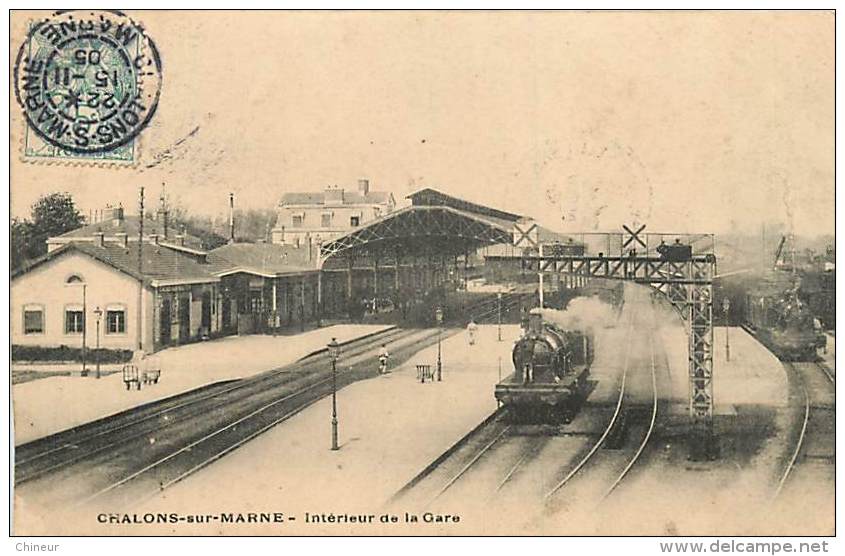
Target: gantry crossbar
x=688, y=286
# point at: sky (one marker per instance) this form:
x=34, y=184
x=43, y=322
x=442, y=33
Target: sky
x=699, y=122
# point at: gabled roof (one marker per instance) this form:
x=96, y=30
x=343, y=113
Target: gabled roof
x=433, y=198
x=264, y=259
x=349, y=198
x=160, y=263
x=128, y=225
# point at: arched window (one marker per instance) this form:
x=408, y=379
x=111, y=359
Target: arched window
x=74, y=279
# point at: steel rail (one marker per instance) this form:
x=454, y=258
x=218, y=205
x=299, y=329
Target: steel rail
x=799, y=444
x=361, y=345
x=607, y=429
x=290, y=371
x=217, y=455
x=648, y=433
x=509, y=475
x=470, y=463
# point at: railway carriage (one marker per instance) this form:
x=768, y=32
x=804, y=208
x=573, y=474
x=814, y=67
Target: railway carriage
x=564, y=249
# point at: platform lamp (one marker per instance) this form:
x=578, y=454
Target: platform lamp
x=98, y=313
x=74, y=281
x=438, y=316
x=334, y=354
x=499, y=313
x=726, y=307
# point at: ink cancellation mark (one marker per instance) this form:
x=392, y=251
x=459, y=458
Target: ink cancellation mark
x=88, y=82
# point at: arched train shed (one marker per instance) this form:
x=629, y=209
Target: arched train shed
x=415, y=248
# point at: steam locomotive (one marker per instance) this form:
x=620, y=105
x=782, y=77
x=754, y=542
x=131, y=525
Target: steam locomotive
x=551, y=366
x=784, y=324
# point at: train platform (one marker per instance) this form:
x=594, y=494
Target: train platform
x=49, y=405
x=752, y=375
x=391, y=427
x=829, y=355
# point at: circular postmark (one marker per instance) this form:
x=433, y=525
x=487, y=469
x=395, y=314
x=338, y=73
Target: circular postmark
x=88, y=81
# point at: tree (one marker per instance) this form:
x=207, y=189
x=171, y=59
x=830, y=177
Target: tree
x=52, y=215
x=20, y=236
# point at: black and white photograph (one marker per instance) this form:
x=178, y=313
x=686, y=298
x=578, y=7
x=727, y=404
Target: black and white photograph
x=423, y=273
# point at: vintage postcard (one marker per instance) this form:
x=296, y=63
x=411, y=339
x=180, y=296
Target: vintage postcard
x=410, y=273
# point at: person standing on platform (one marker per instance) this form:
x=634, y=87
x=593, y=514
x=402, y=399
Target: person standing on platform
x=472, y=328
x=383, y=356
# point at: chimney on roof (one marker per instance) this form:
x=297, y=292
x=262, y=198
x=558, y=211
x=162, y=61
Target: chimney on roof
x=99, y=239
x=308, y=246
x=180, y=239
x=231, y=218
x=154, y=239
x=363, y=187
x=161, y=213
x=334, y=195
x=122, y=238
x=115, y=214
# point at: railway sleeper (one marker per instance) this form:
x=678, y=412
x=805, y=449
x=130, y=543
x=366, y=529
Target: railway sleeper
x=618, y=434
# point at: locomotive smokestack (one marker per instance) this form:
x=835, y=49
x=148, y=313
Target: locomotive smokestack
x=535, y=322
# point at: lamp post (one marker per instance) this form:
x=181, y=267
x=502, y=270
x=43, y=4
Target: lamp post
x=499, y=313
x=99, y=313
x=438, y=316
x=334, y=353
x=84, y=330
x=726, y=306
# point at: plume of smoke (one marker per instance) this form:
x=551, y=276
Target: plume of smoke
x=582, y=313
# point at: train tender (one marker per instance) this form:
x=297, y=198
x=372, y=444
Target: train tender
x=784, y=323
x=551, y=366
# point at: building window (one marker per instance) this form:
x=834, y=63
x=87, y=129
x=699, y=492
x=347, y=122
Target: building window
x=355, y=221
x=74, y=321
x=326, y=221
x=74, y=279
x=33, y=320
x=297, y=221
x=116, y=321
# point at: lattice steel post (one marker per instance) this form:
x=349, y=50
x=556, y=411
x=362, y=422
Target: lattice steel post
x=703, y=443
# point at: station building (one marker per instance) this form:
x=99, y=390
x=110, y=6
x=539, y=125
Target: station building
x=266, y=286
x=176, y=292
x=176, y=295
x=171, y=297
x=318, y=217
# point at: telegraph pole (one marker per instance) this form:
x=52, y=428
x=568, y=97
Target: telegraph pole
x=540, y=274
x=139, y=308
x=726, y=306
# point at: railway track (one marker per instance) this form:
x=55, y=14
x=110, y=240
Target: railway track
x=37, y=458
x=649, y=431
x=444, y=472
x=815, y=438
x=508, y=449
x=134, y=455
x=616, y=426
